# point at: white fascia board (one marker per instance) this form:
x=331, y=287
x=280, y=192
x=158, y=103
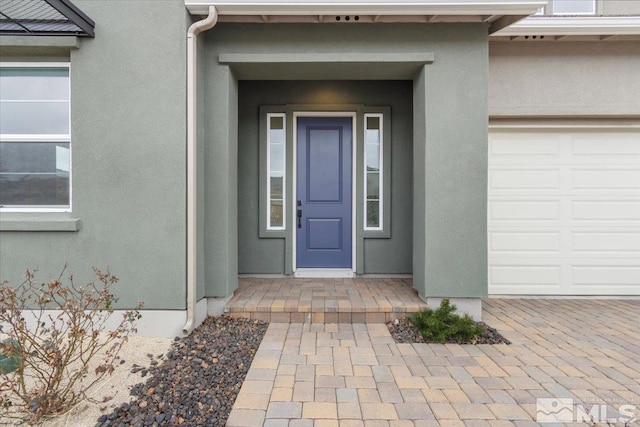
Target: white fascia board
x=573, y=26
x=367, y=7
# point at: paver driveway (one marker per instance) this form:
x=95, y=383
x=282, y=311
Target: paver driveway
x=355, y=375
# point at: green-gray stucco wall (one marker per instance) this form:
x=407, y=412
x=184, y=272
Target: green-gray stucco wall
x=381, y=255
x=128, y=130
x=128, y=98
x=449, y=135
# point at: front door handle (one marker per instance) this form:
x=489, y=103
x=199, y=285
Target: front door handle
x=299, y=218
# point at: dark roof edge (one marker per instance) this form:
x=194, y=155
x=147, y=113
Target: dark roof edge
x=75, y=15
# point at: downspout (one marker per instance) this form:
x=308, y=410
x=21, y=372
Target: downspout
x=192, y=159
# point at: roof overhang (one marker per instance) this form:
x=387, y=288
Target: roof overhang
x=573, y=26
x=497, y=13
x=366, y=7
x=44, y=18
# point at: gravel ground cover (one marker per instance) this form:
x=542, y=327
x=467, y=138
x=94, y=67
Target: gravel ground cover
x=404, y=332
x=197, y=381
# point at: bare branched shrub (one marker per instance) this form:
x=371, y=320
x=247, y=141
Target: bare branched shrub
x=59, y=332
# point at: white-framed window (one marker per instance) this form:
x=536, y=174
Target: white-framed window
x=35, y=140
x=373, y=170
x=276, y=171
x=574, y=7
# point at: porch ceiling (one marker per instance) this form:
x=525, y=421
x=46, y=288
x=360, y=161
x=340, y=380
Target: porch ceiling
x=497, y=13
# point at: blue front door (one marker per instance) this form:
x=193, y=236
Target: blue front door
x=324, y=162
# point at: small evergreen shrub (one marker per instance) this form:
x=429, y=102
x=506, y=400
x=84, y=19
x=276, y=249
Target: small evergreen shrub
x=443, y=325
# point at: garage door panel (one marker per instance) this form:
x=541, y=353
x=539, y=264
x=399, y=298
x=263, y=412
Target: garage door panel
x=606, y=242
x=615, y=146
x=522, y=274
x=606, y=179
x=524, y=179
x=525, y=211
x=614, y=211
x=517, y=242
x=544, y=144
x=564, y=212
x=554, y=276
x=604, y=276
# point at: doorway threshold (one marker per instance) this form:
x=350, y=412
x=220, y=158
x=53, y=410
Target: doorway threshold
x=324, y=273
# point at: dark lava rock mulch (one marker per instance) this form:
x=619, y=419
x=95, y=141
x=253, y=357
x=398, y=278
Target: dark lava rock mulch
x=405, y=333
x=199, y=379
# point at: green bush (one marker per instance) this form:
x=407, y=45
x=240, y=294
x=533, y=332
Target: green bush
x=443, y=325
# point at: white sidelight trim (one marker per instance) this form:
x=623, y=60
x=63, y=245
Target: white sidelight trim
x=381, y=143
x=192, y=161
x=283, y=172
x=367, y=7
x=573, y=26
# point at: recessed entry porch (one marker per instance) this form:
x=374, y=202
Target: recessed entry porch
x=349, y=300
x=418, y=167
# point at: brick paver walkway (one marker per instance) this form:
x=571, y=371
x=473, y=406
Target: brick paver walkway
x=359, y=300
x=355, y=375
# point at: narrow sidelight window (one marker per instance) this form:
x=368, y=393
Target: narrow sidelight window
x=276, y=171
x=35, y=157
x=373, y=144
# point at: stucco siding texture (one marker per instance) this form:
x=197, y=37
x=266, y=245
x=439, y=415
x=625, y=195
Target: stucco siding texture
x=619, y=7
x=128, y=127
x=450, y=124
x=564, y=79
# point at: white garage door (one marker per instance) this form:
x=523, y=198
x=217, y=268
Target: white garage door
x=564, y=212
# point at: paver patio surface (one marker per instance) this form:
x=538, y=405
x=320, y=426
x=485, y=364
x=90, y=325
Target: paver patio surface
x=359, y=300
x=355, y=375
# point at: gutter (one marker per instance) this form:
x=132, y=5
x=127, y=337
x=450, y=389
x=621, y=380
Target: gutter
x=573, y=26
x=192, y=161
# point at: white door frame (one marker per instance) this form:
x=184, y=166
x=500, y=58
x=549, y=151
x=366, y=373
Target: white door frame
x=325, y=272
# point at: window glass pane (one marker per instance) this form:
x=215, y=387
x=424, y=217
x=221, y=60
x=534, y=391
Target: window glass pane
x=276, y=213
x=276, y=136
x=277, y=158
x=373, y=158
x=372, y=136
x=29, y=117
x=277, y=122
x=372, y=139
x=34, y=173
x=373, y=217
x=38, y=157
x=276, y=187
x=373, y=185
x=373, y=122
x=34, y=83
x=573, y=6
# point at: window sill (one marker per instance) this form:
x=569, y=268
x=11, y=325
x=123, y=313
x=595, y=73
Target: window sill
x=61, y=224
